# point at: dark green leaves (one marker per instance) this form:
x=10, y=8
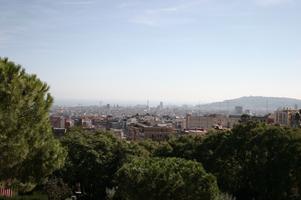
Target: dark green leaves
x=28, y=150
x=165, y=178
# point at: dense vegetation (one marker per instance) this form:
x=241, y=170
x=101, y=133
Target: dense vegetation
x=165, y=178
x=28, y=150
x=252, y=161
x=93, y=159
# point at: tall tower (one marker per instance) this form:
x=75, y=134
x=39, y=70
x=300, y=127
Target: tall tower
x=161, y=105
x=147, y=104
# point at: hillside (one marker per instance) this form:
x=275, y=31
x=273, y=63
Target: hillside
x=253, y=103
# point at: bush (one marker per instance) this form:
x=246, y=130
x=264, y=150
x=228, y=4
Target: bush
x=56, y=189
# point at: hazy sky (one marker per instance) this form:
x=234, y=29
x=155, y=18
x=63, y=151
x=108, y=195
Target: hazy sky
x=169, y=50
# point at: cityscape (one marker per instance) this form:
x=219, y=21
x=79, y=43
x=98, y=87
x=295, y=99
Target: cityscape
x=160, y=122
x=150, y=100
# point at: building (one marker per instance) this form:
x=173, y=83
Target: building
x=238, y=110
x=157, y=133
x=180, y=123
x=86, y=122
x=161, y=105
x=210, y=121
x=58, y=121
x=141, y=131
x=287, y=117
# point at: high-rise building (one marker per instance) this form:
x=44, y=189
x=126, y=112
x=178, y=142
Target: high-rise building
x=161, y=105
x=147, y=106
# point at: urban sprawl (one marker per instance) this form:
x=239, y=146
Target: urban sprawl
x=160, y=122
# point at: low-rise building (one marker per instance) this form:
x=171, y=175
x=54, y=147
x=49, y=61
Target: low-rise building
x=141, y=131
x=210, y=121
x=287, y=117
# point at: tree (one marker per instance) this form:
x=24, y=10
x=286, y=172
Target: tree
x=56, y=189
x=93, y=159
x=28, y=150
x=182, y=147
x=255, y=161
x=165, y=178
x=155, y=148
x=149, y=145
x=245, y=118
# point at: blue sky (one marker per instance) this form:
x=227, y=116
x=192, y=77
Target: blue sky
x=169, y=50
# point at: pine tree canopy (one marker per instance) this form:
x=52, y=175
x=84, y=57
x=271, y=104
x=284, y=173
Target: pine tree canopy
x=28, y=150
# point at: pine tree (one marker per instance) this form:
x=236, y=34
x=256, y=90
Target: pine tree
x=28, y=150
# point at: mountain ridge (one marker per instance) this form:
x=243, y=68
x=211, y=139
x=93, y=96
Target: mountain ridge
x=254, y=103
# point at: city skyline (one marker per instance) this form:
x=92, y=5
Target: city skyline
x=172, y=51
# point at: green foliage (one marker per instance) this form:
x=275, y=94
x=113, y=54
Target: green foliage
x=184, y=146
x=149, y=145
x=255, y=161
x=56, y=189
x=94, y=158
x=155, y=148
x=169, y=178
x=252, y=161
x=28, y=150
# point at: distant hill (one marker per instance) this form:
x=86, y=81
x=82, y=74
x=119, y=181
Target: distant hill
x=253, y=103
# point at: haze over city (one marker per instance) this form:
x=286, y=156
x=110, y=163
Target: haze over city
x=173, y=50
x=150, y=99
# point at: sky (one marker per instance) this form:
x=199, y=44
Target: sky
x=179, y=51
